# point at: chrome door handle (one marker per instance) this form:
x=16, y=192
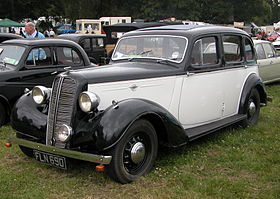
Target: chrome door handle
x=53, y=73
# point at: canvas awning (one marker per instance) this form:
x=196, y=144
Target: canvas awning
x=10, y=23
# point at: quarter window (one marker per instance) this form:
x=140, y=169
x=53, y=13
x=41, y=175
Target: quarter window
x=269, y=51
x=68, y=56
x=231, y=45
x=204, y=52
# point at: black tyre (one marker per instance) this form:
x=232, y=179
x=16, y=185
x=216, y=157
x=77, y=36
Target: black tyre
x=26, y=151
x=135, y=154
x=252, y=108
x=3, y=115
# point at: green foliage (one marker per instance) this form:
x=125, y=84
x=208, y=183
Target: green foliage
x=212, y=11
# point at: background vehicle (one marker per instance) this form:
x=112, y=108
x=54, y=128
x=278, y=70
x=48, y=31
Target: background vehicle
x=25, y=63
x=276, y=44
x=93, y=44
x=272, y=36
x=66, y=29
x=268, y=60
x=160, y=88
x=8, y=36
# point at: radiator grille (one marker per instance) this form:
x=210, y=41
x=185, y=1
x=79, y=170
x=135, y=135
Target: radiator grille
x=60, y=108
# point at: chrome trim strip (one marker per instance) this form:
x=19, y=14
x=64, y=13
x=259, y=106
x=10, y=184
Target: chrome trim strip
x=63, y=152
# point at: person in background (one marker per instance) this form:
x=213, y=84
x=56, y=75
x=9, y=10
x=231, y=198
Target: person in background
x=31, y=32
x=21, y=32
x=52, y=33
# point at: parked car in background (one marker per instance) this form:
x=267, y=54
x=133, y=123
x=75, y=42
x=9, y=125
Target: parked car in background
x=268, y=60
x=272, y=36
x=25, y=63
x=66, y=29
x=8, y=36
x=160, y=88
x=276, y=44
x=93, y=44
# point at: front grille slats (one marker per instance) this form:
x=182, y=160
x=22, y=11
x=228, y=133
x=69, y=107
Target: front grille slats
x=60, y=107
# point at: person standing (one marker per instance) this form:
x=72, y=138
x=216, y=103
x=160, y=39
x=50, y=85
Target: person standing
x=31, y=32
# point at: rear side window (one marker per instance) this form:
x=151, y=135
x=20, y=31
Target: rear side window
x=68, y=56
x=249, y=53
x=269, y=50
x=204, y=52
x=232, y=46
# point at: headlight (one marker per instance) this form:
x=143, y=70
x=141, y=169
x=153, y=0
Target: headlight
x=40, y=94
x=88, y=101
x=64, y=133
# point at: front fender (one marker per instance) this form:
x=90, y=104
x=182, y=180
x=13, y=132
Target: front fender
x=26, y=117
x=106, y=129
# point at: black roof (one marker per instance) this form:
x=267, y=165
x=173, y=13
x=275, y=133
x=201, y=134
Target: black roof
x=77, y=37
x=40, y=42
x=7, y=36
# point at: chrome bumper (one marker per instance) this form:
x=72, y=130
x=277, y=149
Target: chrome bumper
x=63, y=152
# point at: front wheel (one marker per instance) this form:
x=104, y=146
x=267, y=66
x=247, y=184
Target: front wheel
x=252, y=108
x=135, y=154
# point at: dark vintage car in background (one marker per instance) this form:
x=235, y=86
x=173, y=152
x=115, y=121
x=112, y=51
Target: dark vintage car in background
x=25, y=63
x=8, y=36
x=165, y=86
x=93, y=44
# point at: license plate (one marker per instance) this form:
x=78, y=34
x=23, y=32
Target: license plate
x=50, y=159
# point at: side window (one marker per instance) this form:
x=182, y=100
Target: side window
x=260, y=51
x=231, y=45
x=204, y=52
x=86, y=44
x=249, y=53
x=94, y=42
x=39, y=57
x=68, y=56
x=268, y=50
x=100, y=42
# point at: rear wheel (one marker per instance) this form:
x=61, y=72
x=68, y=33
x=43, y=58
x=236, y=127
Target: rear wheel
x=135, y=153
x=252, y=109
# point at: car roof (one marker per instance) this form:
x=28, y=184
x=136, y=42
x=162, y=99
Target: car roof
x=40, y=42
x=187, y=30
x=76, y=37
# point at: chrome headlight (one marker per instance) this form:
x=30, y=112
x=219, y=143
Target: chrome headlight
x=40, y=94
x=88, y=101
x=64, y=133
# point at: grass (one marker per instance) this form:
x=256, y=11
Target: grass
x=232, y=163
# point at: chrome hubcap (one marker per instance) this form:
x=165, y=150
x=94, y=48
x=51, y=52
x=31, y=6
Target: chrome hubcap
x=252, y=108
x=137, y=152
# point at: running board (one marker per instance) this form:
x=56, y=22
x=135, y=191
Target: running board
x=197, y=132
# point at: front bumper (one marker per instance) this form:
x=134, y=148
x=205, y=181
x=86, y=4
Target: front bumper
x=62, y=152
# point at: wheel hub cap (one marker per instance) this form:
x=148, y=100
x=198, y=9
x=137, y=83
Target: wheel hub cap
x=137, y=152
x=252, y=108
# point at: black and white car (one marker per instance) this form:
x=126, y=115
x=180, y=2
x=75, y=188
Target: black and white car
x=164, y=86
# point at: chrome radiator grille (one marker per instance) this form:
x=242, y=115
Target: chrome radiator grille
x=60, y=108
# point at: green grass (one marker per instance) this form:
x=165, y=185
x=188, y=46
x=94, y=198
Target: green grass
x=232, y=163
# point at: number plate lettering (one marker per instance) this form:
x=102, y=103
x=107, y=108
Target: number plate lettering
x=50, y=159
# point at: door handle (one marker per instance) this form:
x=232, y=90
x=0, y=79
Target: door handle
x=133, y=87
x=53, y=73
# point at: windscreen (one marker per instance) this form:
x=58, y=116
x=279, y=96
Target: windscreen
x=151, y=47
x=11, y=54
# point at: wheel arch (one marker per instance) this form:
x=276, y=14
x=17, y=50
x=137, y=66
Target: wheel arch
x=4, y=101
x=253, y=81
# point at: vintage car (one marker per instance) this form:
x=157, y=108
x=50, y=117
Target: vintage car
x=8, y=36
x=25, y=63
x=268, y=60
x=276, y=44
x=272, y=36
x=160, y=88
x=93, y=44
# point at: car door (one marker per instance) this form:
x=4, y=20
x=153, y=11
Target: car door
x=211, y=89
x=269, y=62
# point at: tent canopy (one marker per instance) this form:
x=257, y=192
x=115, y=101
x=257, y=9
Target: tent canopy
x=10, y=23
